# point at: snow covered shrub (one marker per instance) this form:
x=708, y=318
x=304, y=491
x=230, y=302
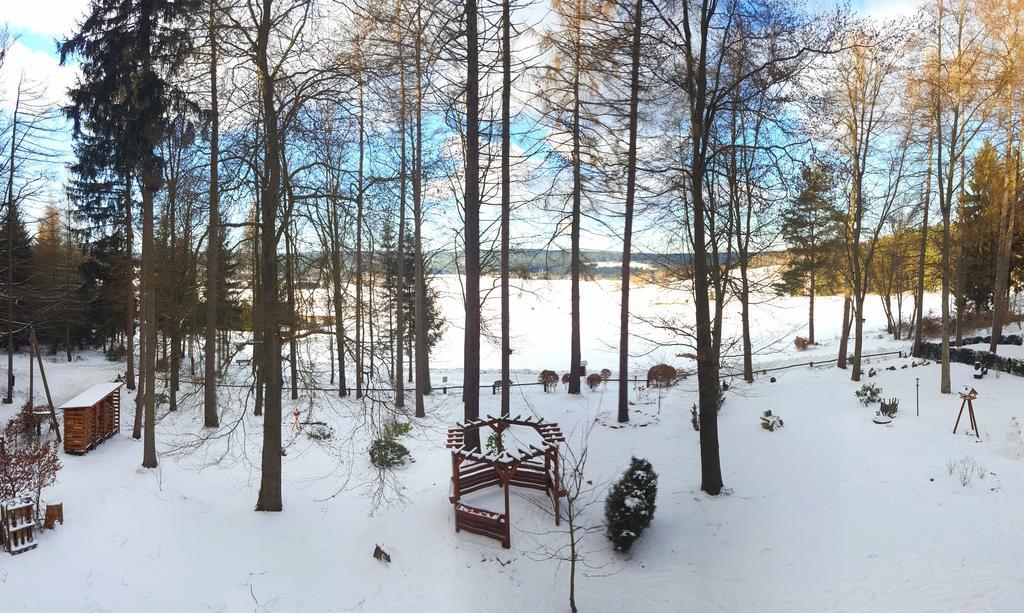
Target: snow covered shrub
x=388, y=453
x=629, y=508
x=662, y=375
x=869, y=393
x=549, y=379
x=770, y=422
x=320, y=432
x=801, y=343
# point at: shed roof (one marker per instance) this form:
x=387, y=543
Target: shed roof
x=92, y=395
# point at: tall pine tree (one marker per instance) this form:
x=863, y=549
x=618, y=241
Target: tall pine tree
x=129, y=49
x=810, y=227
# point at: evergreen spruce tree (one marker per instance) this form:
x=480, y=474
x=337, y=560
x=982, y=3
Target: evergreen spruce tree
x=128, y=50
x=16, y=283
x=630, y=505
x=978, y=231
x=810, y=227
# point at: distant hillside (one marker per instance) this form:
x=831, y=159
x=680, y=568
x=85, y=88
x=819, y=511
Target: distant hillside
x=556, y=262
x=549, y=263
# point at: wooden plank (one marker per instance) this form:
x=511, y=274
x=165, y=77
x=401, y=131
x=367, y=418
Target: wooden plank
x=46, y=386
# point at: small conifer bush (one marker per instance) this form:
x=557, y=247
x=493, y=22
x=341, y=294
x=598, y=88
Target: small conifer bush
x=388, y=453
x=869, y=393
x=629, y=508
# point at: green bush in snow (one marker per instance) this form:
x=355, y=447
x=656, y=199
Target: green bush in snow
x=388, y=453
x=629, y=508
x=869, y=393
x=494, y=444
x=395, y=429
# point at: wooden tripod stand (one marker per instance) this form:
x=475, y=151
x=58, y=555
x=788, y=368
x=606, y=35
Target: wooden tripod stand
x=968, y=398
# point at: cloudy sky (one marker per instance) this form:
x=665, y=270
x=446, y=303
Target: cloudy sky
x=37, y=23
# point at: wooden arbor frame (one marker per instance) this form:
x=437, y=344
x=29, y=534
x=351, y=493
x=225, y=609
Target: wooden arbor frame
x=472, y=470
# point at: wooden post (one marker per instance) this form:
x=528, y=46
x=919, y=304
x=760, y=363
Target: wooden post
x=31, y=378
x=558, y=488
x=456, y=494
x=505, y=476
x=42, y=375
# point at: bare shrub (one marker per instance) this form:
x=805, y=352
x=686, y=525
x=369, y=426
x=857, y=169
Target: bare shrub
x=549, y=378
x=662, y=375
x=967, y=469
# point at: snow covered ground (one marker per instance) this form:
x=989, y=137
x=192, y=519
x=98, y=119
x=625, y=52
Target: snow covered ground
x=541, y=318
x=830, y=513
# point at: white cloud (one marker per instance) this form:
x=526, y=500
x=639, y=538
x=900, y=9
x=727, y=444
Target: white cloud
x=878, y=9
x=40, y=69
x=886, y=9
x=52, y=17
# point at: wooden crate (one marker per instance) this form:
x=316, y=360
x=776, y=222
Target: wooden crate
x=17, y=525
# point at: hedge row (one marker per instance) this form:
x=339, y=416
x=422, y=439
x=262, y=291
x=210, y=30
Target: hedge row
x=1010, y=339
x=963, y=355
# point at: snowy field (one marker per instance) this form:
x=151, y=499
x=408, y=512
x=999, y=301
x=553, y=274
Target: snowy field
x=830, y=513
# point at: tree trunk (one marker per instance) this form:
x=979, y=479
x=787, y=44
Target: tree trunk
x=961, y=267
x=359, y=248
x=399, y=376
x=845, y=333
x=506, y=203
x=471, y=370
x=293, y=322
x=258, y=348
x=9, y=396
x=1007, y=216
x=922, y=250
x=211, y=419
x=810, y=306
x=577, y=187
x=270, y=479
x=129, y=232
x=858, y=335
x=339, y=319
x=171, y=310
x=627, y=234
x=944, y=383
x=419, y=299
x=149, y=294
